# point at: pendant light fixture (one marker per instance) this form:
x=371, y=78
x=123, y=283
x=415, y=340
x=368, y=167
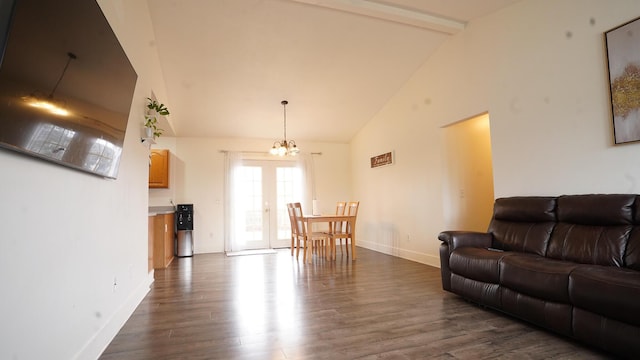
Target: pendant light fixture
x=49, y=103
x=284, y=147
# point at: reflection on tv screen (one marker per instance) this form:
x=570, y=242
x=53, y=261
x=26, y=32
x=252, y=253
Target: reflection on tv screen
x=66, y=85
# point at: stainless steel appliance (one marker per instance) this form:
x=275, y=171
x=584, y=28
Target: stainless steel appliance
x=184, y=230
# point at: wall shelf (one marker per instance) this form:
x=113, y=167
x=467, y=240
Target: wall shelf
x=148, y=141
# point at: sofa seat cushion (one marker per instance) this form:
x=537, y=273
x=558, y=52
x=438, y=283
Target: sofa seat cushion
x=608, y=291
x=536, y=276
x=477, y=264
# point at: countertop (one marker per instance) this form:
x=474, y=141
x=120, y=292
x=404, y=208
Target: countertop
x=161, y=210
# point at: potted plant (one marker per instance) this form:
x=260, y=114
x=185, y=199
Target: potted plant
x=151, y=118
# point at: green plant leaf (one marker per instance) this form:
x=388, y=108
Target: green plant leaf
x=151, y=121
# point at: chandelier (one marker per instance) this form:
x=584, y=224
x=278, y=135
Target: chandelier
x=284, y=147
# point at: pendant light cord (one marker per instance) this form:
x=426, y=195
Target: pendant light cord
x=71, y=56
x=284, y=105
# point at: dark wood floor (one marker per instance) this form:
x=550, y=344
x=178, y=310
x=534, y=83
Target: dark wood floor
x=274, y=307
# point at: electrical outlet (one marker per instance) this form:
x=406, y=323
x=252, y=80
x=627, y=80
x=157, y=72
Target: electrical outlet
x=115, y=283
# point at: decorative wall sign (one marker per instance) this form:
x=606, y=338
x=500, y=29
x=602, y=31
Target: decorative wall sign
x=623, y=55
x=382, y=160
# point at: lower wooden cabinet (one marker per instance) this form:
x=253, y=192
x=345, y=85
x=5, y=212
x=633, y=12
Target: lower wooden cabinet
x=163, y=242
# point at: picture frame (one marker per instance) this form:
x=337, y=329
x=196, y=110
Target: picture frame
x=623, y=61
x=384, y=159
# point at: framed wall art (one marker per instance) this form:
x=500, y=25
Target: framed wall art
x=382, y=160
x=623, y=58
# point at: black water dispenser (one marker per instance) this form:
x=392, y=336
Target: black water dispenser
x=184, y=230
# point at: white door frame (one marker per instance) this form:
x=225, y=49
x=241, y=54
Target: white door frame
x=269, y=204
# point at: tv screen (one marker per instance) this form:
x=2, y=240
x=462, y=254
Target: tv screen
x=66, y=84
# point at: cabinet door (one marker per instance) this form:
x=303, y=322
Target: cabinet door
x=158, y=241
x=168, y=239
x=163, y=240
x=159, y=168
x=151, y=239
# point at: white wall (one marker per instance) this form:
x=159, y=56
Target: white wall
x=539, y=68
x=66, y=235
x=197, y=177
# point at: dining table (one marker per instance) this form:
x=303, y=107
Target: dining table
x=331, y=219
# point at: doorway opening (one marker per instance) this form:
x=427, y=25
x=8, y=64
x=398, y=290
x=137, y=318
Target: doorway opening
x=468, y=192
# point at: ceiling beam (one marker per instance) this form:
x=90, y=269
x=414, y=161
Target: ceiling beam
x=391, y=13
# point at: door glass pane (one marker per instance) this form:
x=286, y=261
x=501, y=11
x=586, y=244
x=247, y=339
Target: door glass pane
x=249, y=217
x=289, y=189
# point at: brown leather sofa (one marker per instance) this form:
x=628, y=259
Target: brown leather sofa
x=570, y=264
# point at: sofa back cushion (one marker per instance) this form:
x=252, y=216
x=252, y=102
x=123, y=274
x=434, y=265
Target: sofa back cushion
x=523, y=224
x=632, y=253
x=592, y=229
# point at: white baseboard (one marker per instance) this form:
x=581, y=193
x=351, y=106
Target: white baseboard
x=99, y=342
x=422, y=258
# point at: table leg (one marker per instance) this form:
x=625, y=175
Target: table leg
x=332, y=242
x=353, y=239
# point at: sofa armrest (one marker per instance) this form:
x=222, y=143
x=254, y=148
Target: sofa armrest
x=456, y=239
x=452, y=240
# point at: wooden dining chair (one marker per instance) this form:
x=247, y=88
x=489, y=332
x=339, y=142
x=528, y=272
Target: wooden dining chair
x=306, y=238
x=292, y=220
x=338, y=227
x=342, y=229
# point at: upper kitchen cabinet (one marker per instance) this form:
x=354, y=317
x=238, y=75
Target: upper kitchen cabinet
x=159, y=169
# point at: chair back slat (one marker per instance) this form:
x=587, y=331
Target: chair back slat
x=338, y=226
x=301, y=229
x=292, y=219
x=352, y=210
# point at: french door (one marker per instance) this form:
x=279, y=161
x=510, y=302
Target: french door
x=263, y=188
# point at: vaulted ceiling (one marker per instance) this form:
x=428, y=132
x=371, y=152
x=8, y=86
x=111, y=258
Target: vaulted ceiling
x=227, y=64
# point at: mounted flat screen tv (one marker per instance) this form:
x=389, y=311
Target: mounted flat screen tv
x=66, y=84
